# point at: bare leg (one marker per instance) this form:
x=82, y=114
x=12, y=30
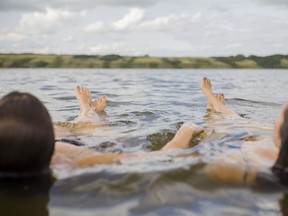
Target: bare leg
x=214, y=102
x=99, y=104
x=83, y=96
x=183, y=136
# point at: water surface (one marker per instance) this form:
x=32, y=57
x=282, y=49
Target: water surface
x=146, y=107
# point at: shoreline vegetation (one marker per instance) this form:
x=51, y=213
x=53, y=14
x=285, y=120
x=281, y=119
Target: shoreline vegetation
x=29, y=60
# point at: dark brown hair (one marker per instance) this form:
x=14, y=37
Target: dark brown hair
x=280, y=167
x=26, y=135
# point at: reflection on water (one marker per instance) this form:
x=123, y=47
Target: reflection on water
x=284, y=205
x=144, y=110
x=177, y=192
x=25, y=197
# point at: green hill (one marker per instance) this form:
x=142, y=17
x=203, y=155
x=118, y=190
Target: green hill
x=27, y=60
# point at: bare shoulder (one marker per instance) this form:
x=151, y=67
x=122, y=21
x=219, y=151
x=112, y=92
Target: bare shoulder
x=262, y=153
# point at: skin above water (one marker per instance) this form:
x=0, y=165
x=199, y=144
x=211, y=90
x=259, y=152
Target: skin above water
x=142, y=103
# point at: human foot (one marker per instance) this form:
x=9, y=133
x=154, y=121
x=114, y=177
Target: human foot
x=220, y=97
x=83, y=96
x=211, y=98
x=99, y=104
x=215, y=102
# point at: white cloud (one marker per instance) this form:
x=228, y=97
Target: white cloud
x=277, y=45
x=173, y=22
x=127, y=23
x=190, y=27
x=233, y=46
x=134, y=16
x=12, y=37
x=103, y=48
x=116, y=48
x=68, y=38
x=134, y=21
x=26, y=5
x=32, y=28
x=274, y=2
x=95, y=27
x=44, y=50
x=163, y=23
x=206, y=47
x=47, y=21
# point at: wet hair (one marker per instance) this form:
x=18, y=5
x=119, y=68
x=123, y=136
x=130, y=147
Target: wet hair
x=26, y=136
x=280, y=167
x=284, y=205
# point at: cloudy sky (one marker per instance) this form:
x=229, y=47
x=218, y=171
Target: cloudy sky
x=140, y=27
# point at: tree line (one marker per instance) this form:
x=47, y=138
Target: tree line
x=29, y=60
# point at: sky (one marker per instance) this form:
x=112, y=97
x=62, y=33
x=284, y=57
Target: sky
x=171, y=28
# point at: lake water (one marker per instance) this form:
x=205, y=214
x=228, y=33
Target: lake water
x=145, y=108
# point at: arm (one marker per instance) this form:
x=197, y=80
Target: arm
x=183, y=136
x=102, y=158
x=82, y=156
x=230, y=168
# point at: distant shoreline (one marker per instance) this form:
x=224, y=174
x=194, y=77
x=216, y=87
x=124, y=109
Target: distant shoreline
x=29, y=60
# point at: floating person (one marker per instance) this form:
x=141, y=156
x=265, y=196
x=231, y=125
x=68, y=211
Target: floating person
x=27, y=139
x=28, y=143
x=238, y=167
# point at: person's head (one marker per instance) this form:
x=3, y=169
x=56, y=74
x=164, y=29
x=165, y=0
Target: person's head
x=277, y=126
x=280, y=137
x=26, y=135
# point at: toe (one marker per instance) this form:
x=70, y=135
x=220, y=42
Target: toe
x=208, y=82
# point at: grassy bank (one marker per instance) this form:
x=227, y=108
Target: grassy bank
x=117, y=61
